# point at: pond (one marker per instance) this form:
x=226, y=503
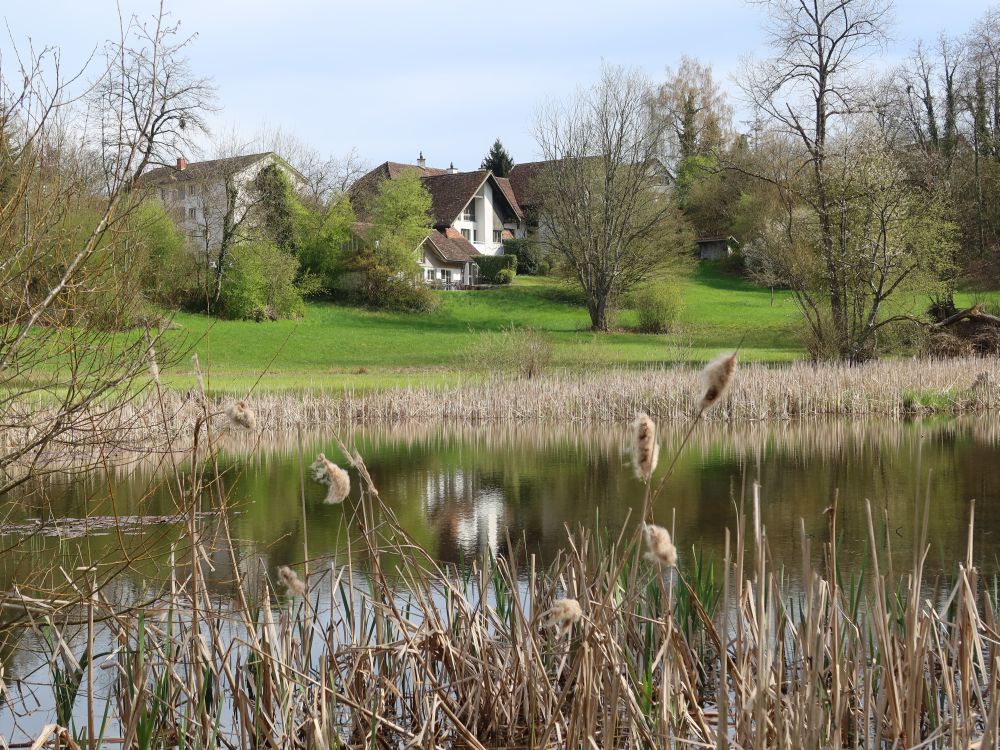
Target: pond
x=514, y=491
x=459, y=490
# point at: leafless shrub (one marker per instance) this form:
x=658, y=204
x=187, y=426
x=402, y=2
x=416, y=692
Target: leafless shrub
x=525, y=352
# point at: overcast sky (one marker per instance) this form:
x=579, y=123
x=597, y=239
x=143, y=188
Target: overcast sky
x=393, y=77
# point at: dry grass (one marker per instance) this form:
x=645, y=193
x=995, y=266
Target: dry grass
x=760, y=393
x=886, y=389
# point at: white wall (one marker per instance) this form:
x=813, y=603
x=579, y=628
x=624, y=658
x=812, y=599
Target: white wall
x=430, y=261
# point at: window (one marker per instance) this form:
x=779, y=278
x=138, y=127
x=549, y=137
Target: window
x=179, y=194
x=467, y=233
x=192, y=213
x=469, y=213
x=429, y=275
x=446, y=274
x=498, y=235
x=475, y=235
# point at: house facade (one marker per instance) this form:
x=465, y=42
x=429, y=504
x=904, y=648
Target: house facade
x=472, y=214
x=204, y=196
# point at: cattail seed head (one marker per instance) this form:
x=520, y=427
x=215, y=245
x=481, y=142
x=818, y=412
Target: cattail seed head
x=563, y=615
x=241, y=415
x=659, y=548
x=293, y=584
x=645, y=448
x=337, y=480
x=716, y=377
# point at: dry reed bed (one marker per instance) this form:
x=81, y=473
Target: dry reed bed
x=883, y=389
x=890, y=389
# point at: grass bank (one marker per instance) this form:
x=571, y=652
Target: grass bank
x=337, y=346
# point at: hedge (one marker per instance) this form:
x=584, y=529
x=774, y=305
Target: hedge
x=490, y=266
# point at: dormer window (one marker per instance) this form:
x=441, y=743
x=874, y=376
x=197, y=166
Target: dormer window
x=469, y=213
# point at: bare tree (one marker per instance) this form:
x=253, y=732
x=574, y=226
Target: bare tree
x=325, y=178
x=65, y=197
x=603, y=208
x=149, y=105
x=695, y=112
x=810, y=90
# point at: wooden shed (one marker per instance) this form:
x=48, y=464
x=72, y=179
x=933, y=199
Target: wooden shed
x=716, y=248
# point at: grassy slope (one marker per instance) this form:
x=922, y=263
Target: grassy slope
x=329, y=347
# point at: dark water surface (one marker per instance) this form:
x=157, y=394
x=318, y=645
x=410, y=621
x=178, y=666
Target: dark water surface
x=458, y=490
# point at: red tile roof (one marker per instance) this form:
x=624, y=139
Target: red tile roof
x=452, y=246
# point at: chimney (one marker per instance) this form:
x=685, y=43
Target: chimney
x=181, y=164
x=421, y=161
x=451, y=169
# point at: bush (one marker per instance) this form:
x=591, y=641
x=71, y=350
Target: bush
x=659, y=305
x=259, y=283
x=170, y=273
x=901, y=339
x=529, y=255
x=392, y=292
x=522, y=351
x=491, y=265
x=505, y=275
x=543, y=268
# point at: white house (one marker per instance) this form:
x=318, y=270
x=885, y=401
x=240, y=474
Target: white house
x=473, y=213
x=201, y=194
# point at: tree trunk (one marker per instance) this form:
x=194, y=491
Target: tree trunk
x=598, y=309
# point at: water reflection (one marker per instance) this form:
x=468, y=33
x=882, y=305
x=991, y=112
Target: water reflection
x=458, y=490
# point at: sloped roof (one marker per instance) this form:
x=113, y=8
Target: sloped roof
x=451, y=192
x=198, y=170
x=366, y=187
x=522, y=178
x=452, y=246
x=508, y=191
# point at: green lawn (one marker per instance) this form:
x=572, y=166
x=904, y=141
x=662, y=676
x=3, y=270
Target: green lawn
x=336, y=346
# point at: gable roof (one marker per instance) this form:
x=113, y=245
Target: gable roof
x=451, y=246
x=450, y=191
x=508, y=192
x=198, y=170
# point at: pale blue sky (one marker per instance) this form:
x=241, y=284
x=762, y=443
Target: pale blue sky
x=391, y=77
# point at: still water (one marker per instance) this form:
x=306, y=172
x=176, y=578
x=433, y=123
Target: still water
x=460, y=490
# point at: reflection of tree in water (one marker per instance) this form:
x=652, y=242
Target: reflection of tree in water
x=457, y=490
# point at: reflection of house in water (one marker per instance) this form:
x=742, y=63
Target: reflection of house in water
x=467, y=513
